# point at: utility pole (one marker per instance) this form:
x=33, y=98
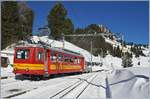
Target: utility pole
x=101, y=54
x=63, y=39
x=122, y=38
x=101, y=57
x=91, y=51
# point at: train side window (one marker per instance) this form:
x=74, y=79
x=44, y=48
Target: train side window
x=71, y=59
x=40, y=56
x=75, y=60
x=60, y=57
x=66, y=59
x=78, y=61
x=53, y=56
x=22, y=54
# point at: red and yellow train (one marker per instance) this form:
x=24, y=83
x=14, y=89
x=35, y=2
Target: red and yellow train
x=41, y=61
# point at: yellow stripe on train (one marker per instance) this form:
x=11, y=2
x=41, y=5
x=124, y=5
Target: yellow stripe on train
x=29, y=66
x=41, y=66
x=64, y=67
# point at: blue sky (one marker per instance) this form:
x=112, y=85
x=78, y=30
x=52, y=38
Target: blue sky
x=129, y=18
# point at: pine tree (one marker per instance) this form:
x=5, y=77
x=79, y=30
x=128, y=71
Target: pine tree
x=92, y=28
x=10, y=20
x=16, y=23
x=25, y=20
x=118, y=52
x=79, y=31
x=58, y=21
x=127, y=60
x=137, y=50
x=68, y=26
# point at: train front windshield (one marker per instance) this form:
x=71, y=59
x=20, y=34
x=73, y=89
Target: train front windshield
x=22, y=54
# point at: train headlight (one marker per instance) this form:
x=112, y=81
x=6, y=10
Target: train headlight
x=15, y=69
x=27, y=69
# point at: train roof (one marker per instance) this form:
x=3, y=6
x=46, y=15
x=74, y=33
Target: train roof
x=30, y=45
x=66, y=51
x=51, y=48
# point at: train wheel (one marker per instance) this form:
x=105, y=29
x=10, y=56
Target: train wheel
x=35, y=77
x=19, y=77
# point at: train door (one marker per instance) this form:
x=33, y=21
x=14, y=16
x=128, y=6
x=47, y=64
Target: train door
x=41, y=58
x=59, y=62
x=46, y=64
x=82, y=64
x=54, y=67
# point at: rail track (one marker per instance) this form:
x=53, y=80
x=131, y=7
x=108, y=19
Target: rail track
x=81, y=84
x=30, y=86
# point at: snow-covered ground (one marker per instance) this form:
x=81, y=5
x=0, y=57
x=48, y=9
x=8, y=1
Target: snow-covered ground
x=43, y=88
x=124, y=84
x=144, y=61
x=114, y=82
x=111, y=62
x=7, y=72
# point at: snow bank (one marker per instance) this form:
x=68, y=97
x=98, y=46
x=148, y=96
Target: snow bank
x=112, y=62
x=146, y=51
x=140, y=70
x=7, y=72
x=144, y=61
x=97, y=68
x=125, y=85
